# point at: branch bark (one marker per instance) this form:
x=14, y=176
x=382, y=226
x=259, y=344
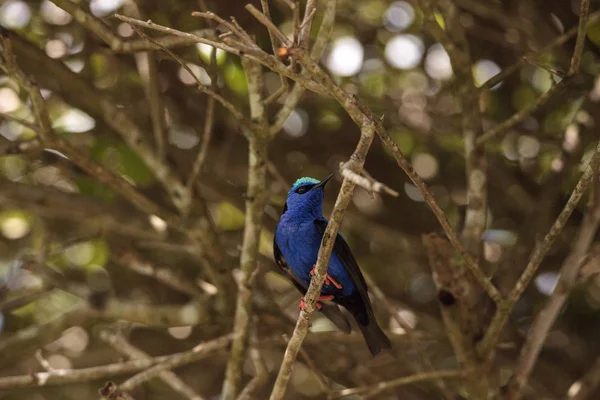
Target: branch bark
x=256, y=200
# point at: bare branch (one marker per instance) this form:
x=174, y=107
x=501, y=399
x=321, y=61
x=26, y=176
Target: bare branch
x=150, y=367
x=269, y=25
x=261, y=372
x=20, y=121
x=163, y=275
x=256, y=200
x=120, y=344
x=581, y=32
x=407, y=380
x=365, y=182
x=175, y=32
x=306, y=26
x=523, y=113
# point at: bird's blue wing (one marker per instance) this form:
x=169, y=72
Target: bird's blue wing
x=331, y=311
x=342, y=250
x=284, y=267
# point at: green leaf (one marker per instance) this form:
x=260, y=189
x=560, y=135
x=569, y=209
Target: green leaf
x=229, y=217
x=235, y=78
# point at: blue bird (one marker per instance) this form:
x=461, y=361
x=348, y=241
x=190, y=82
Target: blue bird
x=295, y=247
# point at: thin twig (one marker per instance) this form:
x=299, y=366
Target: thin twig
x=233, y=26
x=120, y=344
x=409, y=331
x=504, y=309
x=581, y=33
x=261, y=372
x=176, y=360
x=117, y=44
x=274, y=46
x=306, y=26
x=314, y=289
x=157, y=106
x=206, y=138
x=175, y=32
x=406, y=380
x=20, y=121
x=367, y=183
x=164, y=275
x=209, y=119
x=558, y=41
x=94, y=373
x=523, y=113
x=295, y=95
x=263, y=19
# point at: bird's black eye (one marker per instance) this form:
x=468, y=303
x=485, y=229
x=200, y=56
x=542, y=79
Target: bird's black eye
x=304, y=189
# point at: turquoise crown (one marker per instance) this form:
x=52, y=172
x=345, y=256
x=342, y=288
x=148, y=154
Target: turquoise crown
x=304, y=180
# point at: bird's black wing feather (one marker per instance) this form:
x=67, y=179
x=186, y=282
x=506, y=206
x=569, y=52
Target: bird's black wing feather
x=282, y=264
x=342, y=250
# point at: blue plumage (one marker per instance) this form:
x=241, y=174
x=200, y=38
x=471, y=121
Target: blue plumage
x=296, y=245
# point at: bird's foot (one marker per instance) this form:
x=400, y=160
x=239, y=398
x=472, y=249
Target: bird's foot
x=328, y=278
x=319, y=305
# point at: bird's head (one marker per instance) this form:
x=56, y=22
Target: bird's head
x=306, y=196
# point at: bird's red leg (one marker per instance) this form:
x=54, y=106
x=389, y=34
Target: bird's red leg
x=319, y=305
x=328, y=278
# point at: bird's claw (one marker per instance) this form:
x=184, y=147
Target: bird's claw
x=328, y=279
x=318, y=305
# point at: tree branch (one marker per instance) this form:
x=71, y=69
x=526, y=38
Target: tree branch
x=581, y=33
x=120, y=344
x=381, y=387
x=150, y=368
x=256, y=200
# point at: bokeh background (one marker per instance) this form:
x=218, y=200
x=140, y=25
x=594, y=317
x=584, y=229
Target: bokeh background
x=380, y=51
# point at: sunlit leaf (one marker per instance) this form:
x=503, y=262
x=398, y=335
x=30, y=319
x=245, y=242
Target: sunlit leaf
x=236, y=78
x=440, y=20
x=229, y=217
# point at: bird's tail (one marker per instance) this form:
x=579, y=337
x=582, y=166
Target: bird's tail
x=374, y=336
x=335, y=315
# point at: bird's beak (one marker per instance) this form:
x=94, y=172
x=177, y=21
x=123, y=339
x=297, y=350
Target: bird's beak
x=323, y=182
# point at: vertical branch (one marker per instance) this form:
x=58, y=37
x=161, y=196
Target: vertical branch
x=547, y=316
x=580, y=43
x=260, y=369
x=306, y=26
x=357, y=160
x=157, y=106
x=256, y=199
